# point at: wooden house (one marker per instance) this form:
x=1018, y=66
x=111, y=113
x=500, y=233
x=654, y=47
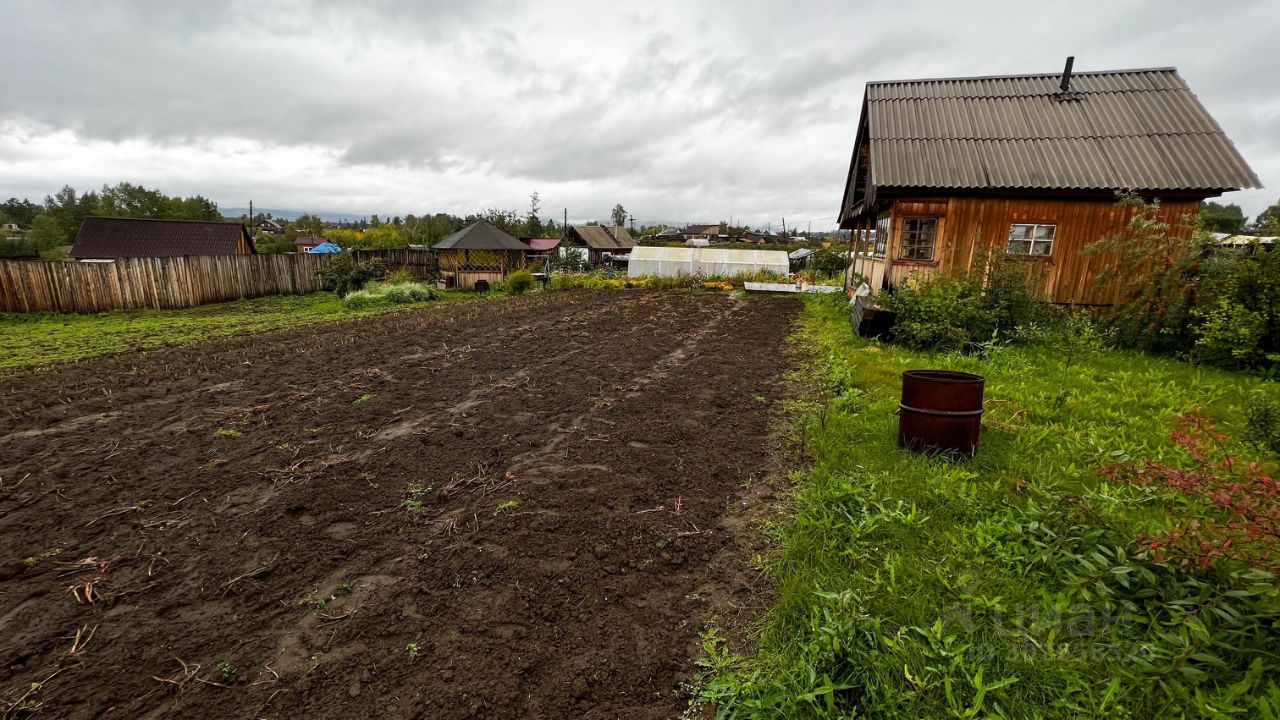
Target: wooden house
x=599, y=239
x=108, y=238
x=479, y=252
x=1025, y=165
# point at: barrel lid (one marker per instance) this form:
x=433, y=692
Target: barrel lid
x=942, y=376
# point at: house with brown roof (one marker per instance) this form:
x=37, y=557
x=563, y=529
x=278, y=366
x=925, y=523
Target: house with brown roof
x=307, y=243
x=1028, y=166
x=599, y=239
x=108, y=238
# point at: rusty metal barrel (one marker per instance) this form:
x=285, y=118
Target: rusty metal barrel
x=940, y=412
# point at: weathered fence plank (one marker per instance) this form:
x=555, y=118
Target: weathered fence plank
x=174, y=282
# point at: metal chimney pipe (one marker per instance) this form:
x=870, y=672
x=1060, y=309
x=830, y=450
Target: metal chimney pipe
x=1066, y=74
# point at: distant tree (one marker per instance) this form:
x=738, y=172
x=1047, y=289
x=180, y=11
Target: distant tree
x=1216, y=217
x=1268, y=220
x=22, y=212
x=47, y=233
x=309, y=224
x=619, y=215
x=532, y=224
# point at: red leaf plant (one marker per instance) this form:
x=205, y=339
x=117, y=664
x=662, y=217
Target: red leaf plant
x=1235, y=507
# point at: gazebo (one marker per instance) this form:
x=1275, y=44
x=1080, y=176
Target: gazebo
x=479, y=252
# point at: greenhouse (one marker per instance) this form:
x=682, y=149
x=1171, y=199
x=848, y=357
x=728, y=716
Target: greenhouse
x=677, y=261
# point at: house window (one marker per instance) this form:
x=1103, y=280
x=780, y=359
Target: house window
x=882, y=236
x=1031, y=239
x=918, y=237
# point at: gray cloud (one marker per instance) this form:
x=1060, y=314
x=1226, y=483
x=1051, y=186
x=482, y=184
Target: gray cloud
x=679, y=110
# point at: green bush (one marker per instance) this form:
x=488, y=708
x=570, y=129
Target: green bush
x=519, y=282
x=346, y=274
x=1262, y=424
x=947, y=311
x=390, y=294
x=399, y=276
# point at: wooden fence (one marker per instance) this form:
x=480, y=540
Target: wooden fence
x=173, y=282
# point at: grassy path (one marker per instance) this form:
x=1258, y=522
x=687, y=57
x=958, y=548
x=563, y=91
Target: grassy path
x=1010, y=585
x=32, y=340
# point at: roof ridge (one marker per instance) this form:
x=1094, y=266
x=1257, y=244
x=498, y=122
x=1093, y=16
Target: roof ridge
x=1058, y=74
x=183, y=220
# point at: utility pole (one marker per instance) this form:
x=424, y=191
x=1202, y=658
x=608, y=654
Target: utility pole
x=784, y=227
x=566, y=219
x=250, y=218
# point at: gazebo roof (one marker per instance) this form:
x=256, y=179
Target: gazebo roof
x=480, y=235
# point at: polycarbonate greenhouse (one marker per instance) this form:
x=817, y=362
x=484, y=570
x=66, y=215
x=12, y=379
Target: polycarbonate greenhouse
x=677, y=261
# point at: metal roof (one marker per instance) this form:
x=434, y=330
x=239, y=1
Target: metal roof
x=1123, y=129
x=112, y=237
x=598, y=237
x=480, y=235
x=542, y=244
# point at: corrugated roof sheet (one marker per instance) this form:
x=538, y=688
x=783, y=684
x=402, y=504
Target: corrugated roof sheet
x=111, y=237
x=598, y=237
x=1127, y=129
x=480, y=235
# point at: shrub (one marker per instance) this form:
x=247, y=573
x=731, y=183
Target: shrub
x=400, y=275
x=950, y=310
x=519, y=282
x=388, y=294
x=346, y=274
x=828, y=263
x=1262, y=426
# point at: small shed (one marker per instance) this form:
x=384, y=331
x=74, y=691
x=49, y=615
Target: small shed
x=677, y=261
x=599, y=240
x=479, y=251
x=108, y=238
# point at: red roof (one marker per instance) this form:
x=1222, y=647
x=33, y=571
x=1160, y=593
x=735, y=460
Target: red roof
x=542, y=244
x=308, y=240
x=103, y=238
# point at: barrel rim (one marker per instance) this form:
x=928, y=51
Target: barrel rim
x=950, y=376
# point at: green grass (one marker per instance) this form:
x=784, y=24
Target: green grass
x=32, y=340
x=1008, y=585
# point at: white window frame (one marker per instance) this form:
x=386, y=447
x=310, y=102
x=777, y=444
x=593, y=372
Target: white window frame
x=1032, y=241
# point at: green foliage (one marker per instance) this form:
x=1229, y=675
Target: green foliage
x=1242, y=328
x=948, y=311
x=828, y=263
x=1012, y=585
x=1155, y=264
x=618, y=215
x=346, y=274
x=1216, y=217
x=519, y=282
x=1262, y=425
x=390, y=294
x=226, y=671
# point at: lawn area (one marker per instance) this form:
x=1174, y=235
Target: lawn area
x=31, y=340
x=1011, y=585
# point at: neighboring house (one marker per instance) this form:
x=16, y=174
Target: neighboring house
x=270, y=226
x=479, y=252
x=669, y=234
x=703, y=232
x=108, y=238
x=599, y=240
x=540, y=250
x=1026, y=165
x=305, y=243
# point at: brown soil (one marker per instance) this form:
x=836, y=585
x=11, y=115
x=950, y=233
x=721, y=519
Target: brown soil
x=544, y=497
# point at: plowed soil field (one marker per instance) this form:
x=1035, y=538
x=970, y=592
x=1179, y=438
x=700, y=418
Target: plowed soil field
x=512, y=509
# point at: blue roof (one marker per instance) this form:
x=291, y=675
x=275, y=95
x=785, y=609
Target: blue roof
x=325, y=247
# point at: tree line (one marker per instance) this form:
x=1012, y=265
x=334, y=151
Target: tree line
x=50, y=225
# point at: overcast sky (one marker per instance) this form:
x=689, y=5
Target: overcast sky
x=681, y=111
